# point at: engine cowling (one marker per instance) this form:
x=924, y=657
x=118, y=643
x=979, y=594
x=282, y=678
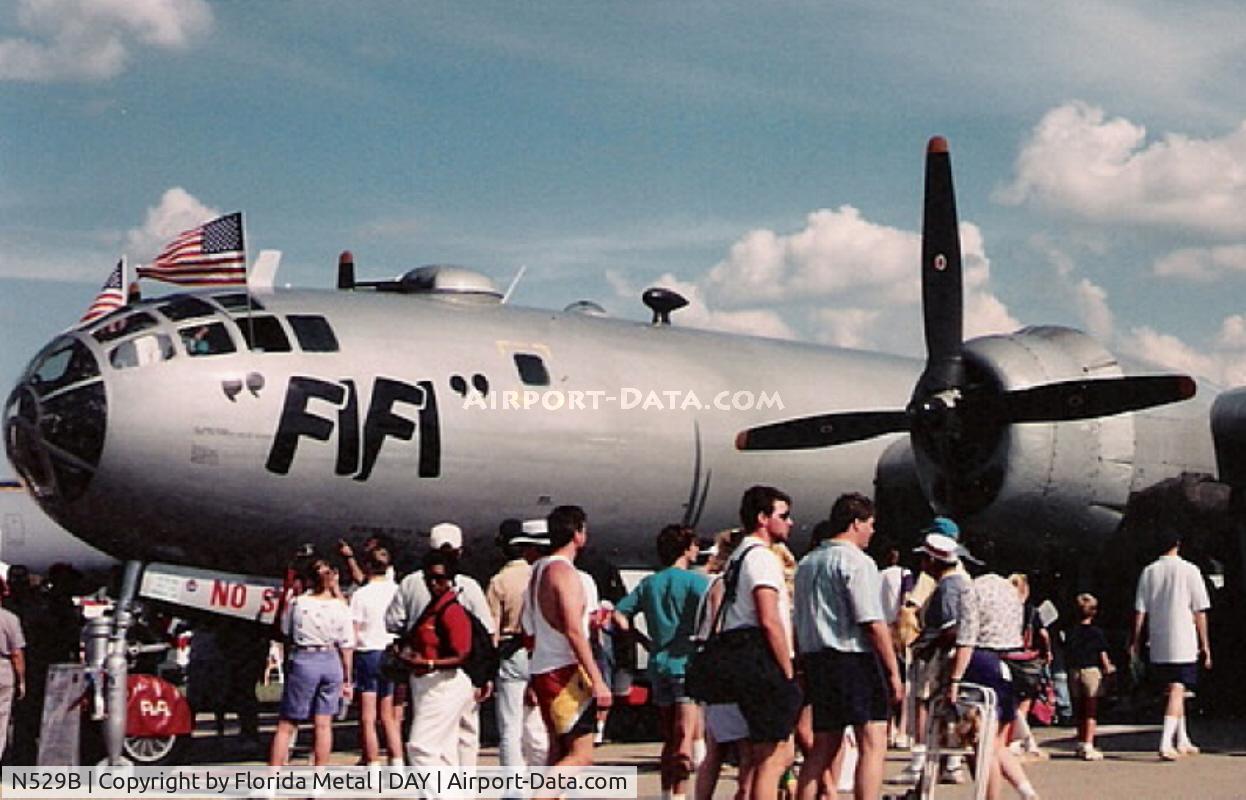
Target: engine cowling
x=1033, y=479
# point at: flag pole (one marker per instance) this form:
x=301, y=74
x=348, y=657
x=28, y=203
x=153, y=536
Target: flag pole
x=246, y=277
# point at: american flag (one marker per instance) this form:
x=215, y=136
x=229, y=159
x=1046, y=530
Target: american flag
x=211, y=254
x=111, y=296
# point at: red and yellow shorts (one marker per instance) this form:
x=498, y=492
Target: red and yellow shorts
x=565, y=697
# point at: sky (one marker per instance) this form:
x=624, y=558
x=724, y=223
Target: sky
x=765, y=159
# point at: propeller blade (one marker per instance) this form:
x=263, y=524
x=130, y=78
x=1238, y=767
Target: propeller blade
x=1085, y=399
x=942, y=299
x=822, y=430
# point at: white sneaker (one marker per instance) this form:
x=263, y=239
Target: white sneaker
x=1188, y=749
x=955, y=775
x=1089, y=753
x=909, y=776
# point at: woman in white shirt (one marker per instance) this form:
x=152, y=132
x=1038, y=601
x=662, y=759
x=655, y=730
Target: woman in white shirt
x=320, y=636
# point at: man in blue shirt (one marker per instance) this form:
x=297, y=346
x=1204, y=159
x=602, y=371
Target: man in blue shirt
x=669, y=600
x=845, y=648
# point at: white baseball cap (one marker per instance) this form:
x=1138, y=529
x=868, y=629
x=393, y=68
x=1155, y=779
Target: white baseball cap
x=445, y=533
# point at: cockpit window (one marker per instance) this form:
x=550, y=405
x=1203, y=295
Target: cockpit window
x=313, y=333
x=263, y=334
x=209, y=339
x=126, y=325
x=63, y=364
x=532, y=369
x=237, y=302
x=186, y=307
x=141, y=351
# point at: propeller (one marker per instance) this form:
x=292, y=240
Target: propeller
x=949, y=413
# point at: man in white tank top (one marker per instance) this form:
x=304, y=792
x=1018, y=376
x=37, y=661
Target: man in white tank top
x=568, y=685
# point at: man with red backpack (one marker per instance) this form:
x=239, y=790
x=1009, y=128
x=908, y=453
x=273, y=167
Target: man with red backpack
x=409, y=603
x=436, y=647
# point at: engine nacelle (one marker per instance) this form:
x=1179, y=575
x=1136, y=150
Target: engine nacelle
x=1031, y=480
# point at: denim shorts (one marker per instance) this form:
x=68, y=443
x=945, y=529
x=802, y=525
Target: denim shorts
x=667, y=690
x=368, y=677
x=313, y=685
x=725, y=723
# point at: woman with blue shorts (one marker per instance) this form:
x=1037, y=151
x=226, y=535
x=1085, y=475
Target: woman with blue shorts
x=319, y=634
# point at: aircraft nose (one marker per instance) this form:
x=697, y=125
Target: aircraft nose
x=55, y=420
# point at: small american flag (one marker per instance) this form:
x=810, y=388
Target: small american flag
x=111, y=296
x=211, y=254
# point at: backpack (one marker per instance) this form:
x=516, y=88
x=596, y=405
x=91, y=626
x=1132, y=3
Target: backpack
x=484, y=660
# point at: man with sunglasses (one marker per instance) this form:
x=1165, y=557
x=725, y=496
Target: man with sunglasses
x=772, y=703
x=413, y=597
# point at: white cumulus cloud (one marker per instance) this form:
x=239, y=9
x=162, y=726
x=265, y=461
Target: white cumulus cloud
x=1233, y=332
x=1169, y=351
x=91, y=40
x=1222, y=362
x=1204, y=264
x=178, y=210
x=837, y=251
x=698, y=314
x=1080, y=162
x=840, y=280
x=845, y=327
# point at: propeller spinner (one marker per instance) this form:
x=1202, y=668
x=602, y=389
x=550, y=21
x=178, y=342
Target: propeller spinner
x=955, y=413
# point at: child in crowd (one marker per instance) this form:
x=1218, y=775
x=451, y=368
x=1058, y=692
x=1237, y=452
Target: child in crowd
x=1086, y=653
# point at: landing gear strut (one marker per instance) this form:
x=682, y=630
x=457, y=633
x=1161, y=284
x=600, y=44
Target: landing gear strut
x=115, y=668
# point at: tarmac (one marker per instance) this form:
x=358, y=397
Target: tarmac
x=1131, y=769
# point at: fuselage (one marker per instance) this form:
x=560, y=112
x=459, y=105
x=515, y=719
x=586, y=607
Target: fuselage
x=368, y=411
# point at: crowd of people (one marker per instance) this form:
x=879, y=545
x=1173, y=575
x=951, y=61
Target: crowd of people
x=39, y=626
x=832, y=659
x=823, y=662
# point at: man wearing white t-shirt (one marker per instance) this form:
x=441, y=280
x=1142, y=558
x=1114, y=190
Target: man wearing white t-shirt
x=762, y=601
x=1172, y=598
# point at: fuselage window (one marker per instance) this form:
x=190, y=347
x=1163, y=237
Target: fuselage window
x=142, y=350
x=125, y=325
x=313, y=333
x=208, y=339
x=66, y=363
x=532, y=369
x=238, y=302
x=187, y=307
x=263, y=334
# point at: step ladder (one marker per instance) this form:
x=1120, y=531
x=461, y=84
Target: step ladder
x=944, y=731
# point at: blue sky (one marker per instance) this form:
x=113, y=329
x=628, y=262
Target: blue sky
x=764, y=158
